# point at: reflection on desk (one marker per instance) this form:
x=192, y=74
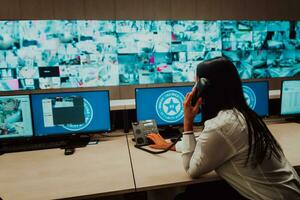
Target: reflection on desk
x=288, y=136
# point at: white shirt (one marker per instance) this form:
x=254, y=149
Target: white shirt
x=223, y=146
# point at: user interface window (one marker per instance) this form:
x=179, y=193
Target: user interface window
x=71, y=112
x=290, y=97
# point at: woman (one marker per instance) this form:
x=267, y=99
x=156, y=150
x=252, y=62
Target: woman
x=235, y=142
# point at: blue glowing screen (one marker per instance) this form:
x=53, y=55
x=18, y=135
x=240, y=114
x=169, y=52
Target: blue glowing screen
x=257, y=96
x=163, y=104
x=71, y=112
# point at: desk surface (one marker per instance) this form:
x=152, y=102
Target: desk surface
x=288, y=136
x=165, y=170
x=106, y=169
x=49, y=174
x=162, y=170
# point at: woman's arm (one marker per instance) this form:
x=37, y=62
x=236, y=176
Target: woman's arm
x=189, y=115
x=210, y=150
x=205, y=155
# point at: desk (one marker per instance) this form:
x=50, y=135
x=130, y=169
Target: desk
x=162, y=170
x=288, y=136
x=105, y=169
x=48, y=174
x=166, y=170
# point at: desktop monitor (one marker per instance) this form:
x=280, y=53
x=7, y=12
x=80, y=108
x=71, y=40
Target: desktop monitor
x=163, y=104
x=15, y=117
x=290, y=97
x=257, y=96
x=71, y=113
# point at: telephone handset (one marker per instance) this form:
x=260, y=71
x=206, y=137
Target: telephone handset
x=200, y=86
x=140, y=131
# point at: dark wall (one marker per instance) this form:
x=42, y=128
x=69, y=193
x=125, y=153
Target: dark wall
x=150, y=9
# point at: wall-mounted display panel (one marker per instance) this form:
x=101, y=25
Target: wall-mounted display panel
x=42, y=54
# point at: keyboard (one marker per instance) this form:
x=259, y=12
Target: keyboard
x=30, y=146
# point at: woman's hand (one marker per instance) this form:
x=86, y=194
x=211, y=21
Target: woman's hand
x=159, y=141
x=189, y=111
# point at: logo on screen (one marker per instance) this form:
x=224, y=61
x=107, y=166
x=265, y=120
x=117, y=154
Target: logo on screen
x=88, y=115
x=249, y=96
x=169, y=106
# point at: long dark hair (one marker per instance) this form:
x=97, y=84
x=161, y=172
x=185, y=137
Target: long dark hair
x=225, y=92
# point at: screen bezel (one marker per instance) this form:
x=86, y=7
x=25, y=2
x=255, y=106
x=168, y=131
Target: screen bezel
x=66, y=134
x=163, y=87
x=268, y=94
x=286, y=115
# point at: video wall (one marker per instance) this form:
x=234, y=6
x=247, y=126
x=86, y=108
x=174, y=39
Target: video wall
x=42, y=54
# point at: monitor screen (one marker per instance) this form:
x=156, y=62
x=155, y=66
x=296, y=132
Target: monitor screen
x=43, y=54
x=290, y=97
x=71, y=113
x=257, y=96
x=163, y=104
x=15, y=117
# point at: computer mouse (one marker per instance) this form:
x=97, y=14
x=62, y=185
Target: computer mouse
x=69, y=151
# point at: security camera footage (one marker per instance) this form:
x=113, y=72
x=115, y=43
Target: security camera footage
x=42, y=54
x=15, y=116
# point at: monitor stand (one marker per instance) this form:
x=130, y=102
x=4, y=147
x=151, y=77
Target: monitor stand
x=74, y=142
x=169, y=132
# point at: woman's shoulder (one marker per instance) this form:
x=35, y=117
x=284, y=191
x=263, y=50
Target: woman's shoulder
x=226, y=120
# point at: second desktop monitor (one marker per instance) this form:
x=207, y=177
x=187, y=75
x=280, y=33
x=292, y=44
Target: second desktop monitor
x=163, y=104
x=71, y=113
